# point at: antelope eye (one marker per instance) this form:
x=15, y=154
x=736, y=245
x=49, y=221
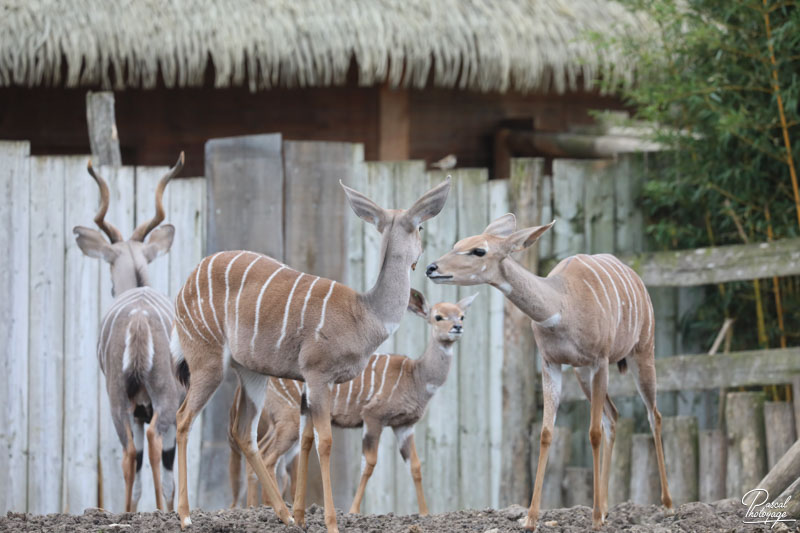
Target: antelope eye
x=461, y=317
x=439, y=318
x=480, y=252
x=419, y=228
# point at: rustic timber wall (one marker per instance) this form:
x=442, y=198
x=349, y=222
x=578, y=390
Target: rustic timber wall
x=58, y=448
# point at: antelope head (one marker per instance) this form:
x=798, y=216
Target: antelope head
x=128, y=259
x=446, y=319
x=476, y=260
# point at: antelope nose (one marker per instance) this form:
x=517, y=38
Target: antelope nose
x=458, y=328
x=431, y=269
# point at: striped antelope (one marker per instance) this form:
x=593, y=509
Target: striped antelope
x=392, y=391
x=133, y=347
x=255, y=314
x=589, y=312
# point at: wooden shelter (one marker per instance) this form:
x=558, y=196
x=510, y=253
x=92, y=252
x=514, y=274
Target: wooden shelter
x=408, y=79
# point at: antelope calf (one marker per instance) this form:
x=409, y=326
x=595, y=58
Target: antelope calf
x=133, y=347
x=589, y=312
x=255, y=314
x=392, y=391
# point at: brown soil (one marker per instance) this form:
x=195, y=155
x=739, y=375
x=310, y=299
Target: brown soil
x=723, y=516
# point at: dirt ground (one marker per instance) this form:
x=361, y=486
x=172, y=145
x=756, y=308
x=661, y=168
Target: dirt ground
x=723, y=516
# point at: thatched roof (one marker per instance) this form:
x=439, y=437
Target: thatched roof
x=486, y=45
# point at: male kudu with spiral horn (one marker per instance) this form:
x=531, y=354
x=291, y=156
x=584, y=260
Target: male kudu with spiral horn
x=589, y=312
x=250, y=312
x=133, y=347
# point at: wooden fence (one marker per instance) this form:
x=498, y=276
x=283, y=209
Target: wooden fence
x=283, y=198
x=59, y=448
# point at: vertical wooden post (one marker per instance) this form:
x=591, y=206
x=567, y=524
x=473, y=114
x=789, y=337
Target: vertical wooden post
x=394, y=124
x=14, y=278
x=747, y=454
x=242, y=172
x=619, y=483
x=780, y=430
x=713, y=463
x=519, y=361
x=679, y=437
x=645, y=488
x=103, y=135
x=577, y=486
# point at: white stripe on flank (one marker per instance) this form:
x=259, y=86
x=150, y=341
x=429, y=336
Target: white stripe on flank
x=349, y=392
x=322, y=316
x=624, y=269
x=188, y=313
x=228, y=288
x=305, y=303
x=238, y=296
x=211, y=296
x=258, y=306
x=614, y=286
x=288, y=394
x=111, y=326
x=396, y=383
x=615, y=268
x=283, y=397
x=297, y=386
x=286, y=310
x=372, y=379
x=199, y=301
x=383, y=376
x=596, y=299
x=600, y=281
x=336, y=397
x=649, y=304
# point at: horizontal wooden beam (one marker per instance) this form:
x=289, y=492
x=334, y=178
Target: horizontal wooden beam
x=575, y=145
x=698, y=372
x=704, y=266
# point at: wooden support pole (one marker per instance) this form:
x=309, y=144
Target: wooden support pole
x=747, y=453
x=645, y=487
x=394, y=125
x=557, y=461
x=578, y=486
x=619, y=483
x=713, y=462
x=103, y=135
x=780, y=430
x=679, y=436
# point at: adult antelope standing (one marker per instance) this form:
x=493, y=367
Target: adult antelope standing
x=392, y=391
x=255, y=314
x=589, y=312
x=133, y=347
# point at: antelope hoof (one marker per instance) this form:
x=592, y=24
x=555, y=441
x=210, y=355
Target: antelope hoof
x=300, y=518
x=186, y=522
x=597, y=524
x=529, y=523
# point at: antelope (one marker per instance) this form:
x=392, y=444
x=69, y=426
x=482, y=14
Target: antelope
x=250, y=312
x=133, y=348
x=392, y=390
x=589, y=312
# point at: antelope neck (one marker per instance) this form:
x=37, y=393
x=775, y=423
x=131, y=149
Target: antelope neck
x=434, y=364
x=388, y=298
x=537, y=297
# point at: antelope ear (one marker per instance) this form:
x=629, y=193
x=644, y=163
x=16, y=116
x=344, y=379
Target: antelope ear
x=427, y=206
x=159, y=241
x=365, y=208
x=417, y=304
x=94, y=244
x=465, y=302
x=519, y=240
x=503, y=226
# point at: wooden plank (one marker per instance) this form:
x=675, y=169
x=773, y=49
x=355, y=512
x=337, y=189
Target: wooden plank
x=102, y=124
x=498, y=205
x=244, y=211
x=14, y=279
x=519, y=379
x=122, y=201
x=186, y=210
x=439, y=449
x=380, y=496
x=569, y=177
x=599, y=202
x=411, y=338
x=680, y=442
x=698, y=372
x=473, y=364
x=747, y=449
x=147, y=179
x=721, y=264
x=81, y=370
x=46, y=335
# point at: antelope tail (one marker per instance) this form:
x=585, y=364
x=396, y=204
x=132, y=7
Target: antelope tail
x=137, y=357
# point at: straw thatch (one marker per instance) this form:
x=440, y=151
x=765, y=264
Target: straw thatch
x=486, y=45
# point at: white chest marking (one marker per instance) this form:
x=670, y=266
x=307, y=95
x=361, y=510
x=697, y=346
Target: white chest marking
x=431, y=388
x=390, y=327
x=505, y=288
x=551, y=322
